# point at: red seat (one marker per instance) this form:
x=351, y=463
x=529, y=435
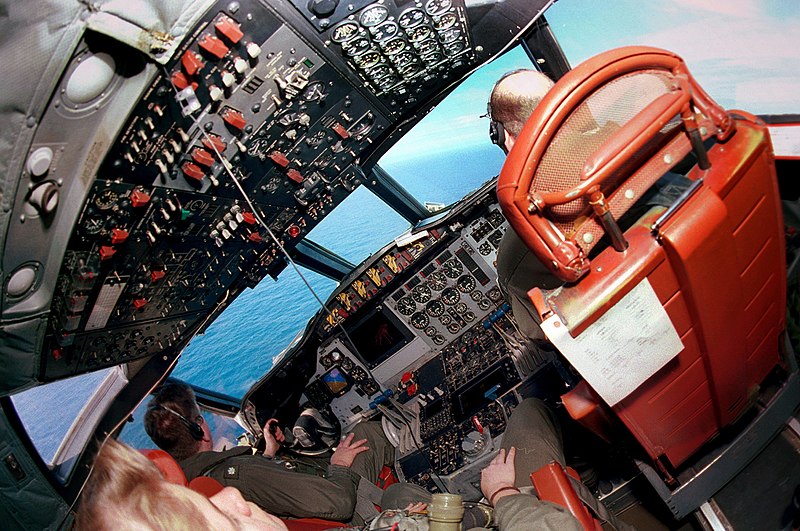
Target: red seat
x=602, y=136
x=167, y=465
x=553, y=485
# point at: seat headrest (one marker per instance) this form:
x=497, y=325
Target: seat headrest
x=167, y=465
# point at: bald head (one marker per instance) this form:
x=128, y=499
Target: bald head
x=515, y=96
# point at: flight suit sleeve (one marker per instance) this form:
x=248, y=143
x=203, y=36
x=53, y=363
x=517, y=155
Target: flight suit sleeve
x=285, y=492
x=523, y=512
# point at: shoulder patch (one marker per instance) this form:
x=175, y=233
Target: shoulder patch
x=231, y=472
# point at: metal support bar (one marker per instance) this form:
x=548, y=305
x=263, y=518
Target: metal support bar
x=317, y=258
x=394, y=195
x=731, y=459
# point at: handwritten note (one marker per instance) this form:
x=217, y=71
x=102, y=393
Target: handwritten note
x=622, y=349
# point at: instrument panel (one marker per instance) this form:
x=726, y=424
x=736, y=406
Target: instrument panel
x=434, y=350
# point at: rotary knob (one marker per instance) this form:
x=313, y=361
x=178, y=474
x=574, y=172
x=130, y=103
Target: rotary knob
x=323, y=8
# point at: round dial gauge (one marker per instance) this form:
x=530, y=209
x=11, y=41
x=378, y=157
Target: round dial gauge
x=394, y=46
x=406, y=305
x=373, y=15
x=106, y=199
x=403, y=60
x=93, y=225
x=409, y=70
x=419, y=33
x=347, y=364
x=476, y=295
x=453, y=48
x=469, y=316
x=448, y=36
x=430, y=331
x=433, y=58
x=451, y=296
x=453, y=327
x=465, y=283
x=427, y=47
x=384, y=31
x=412, y=17
x=356, y=46
x=314, y=91
x=453, y=268
x=445, y=319
x=461, y=307
x=447, y=20
x=386, y=82
x=419, y=320
x=379, y=71
x=421, y=294
x=435, y=7
x=368, y=59
x=437, y=281
x=344, y=31
x=326, y=361
x=438, y=339
x=336, y=356
x=435, y=308
x=484, y=304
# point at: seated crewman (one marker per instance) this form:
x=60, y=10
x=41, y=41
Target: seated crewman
x=328, y=490
x=125, y=491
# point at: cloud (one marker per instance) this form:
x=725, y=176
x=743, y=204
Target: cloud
x=737, y=8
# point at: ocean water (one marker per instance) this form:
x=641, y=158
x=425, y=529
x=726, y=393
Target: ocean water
x=241, y=345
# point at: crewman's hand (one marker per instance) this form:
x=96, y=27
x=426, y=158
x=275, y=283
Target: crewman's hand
x=347, y=451
x=498, y=478
x=272, y=443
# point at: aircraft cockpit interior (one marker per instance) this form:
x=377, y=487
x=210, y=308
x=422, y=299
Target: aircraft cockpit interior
x=165, y=161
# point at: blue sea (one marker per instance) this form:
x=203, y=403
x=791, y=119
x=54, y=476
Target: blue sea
x=241, y=345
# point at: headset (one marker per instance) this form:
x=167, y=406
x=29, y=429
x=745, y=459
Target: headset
x=195, y=429
x=497, y=133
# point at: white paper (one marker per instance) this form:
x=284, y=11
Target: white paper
x=785, y=140
x=622, y=349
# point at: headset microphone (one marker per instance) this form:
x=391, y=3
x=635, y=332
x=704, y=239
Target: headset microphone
x=195, y=429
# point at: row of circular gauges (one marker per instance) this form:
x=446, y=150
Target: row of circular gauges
x=356, y=372
x=417, y=38
x=453, y=319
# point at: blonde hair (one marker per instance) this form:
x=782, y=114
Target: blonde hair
x=126, y=491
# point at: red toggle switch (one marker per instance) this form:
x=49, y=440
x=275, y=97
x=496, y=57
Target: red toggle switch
x=156, y=275
x=229, y=28
x=140, y=303
x=255, y=237
x=201, y=156
x=139, y=198
x=192, y=62
x=213, y=45
x=106, y=252
x=477, y=423
x=213, y=141
x=295, y=175
x=340, y=130
x=411, y=390
x=234, y=119
x=179, y=80
x=118, y=236
x=279, y=158
x=193, y=171
x=248, y=218
x=294, y=231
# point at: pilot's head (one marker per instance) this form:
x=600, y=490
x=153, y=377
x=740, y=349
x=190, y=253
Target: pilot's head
x=512, y=101
x=126, y=491
x=174, y=422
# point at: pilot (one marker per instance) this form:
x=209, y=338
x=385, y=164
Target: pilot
x=511, y=102
x=274, y=482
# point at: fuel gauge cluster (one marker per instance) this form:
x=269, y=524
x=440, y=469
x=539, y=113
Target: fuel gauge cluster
x=400, y=52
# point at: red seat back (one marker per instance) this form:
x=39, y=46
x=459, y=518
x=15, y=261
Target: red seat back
x=716, y=263
x=167, y=465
